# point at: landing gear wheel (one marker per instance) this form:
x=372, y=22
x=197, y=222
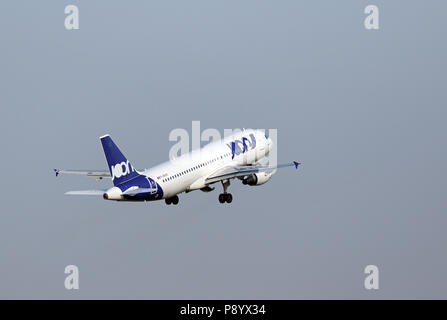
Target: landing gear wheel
x=222, y=198
x=173, y=200
x=225, y=197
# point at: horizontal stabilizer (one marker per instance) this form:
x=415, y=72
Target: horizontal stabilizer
x=86, y=193
x=136, y=191
x=90, y=173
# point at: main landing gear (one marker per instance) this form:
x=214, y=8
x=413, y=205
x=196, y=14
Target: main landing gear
x=225, y=197
x=173, y=200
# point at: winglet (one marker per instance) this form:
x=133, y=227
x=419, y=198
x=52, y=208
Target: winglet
x=296, y=164
x=56, y=171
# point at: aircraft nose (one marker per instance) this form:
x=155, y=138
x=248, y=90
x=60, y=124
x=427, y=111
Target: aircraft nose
x=105, y=196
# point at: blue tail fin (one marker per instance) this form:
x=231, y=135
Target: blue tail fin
x=120, y=168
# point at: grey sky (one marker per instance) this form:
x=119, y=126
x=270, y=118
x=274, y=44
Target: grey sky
x=364, y=111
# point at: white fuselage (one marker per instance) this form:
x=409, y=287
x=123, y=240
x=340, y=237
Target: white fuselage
x=189, y=171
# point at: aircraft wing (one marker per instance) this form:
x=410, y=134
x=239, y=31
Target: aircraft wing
x=90, y=173
x=241, y=171
x=130, y=192
x=86, y=193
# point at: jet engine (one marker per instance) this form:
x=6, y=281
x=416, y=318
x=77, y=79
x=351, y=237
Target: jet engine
x=113, y=193
x=257, y=179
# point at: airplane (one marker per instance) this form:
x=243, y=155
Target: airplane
x=238, y=156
